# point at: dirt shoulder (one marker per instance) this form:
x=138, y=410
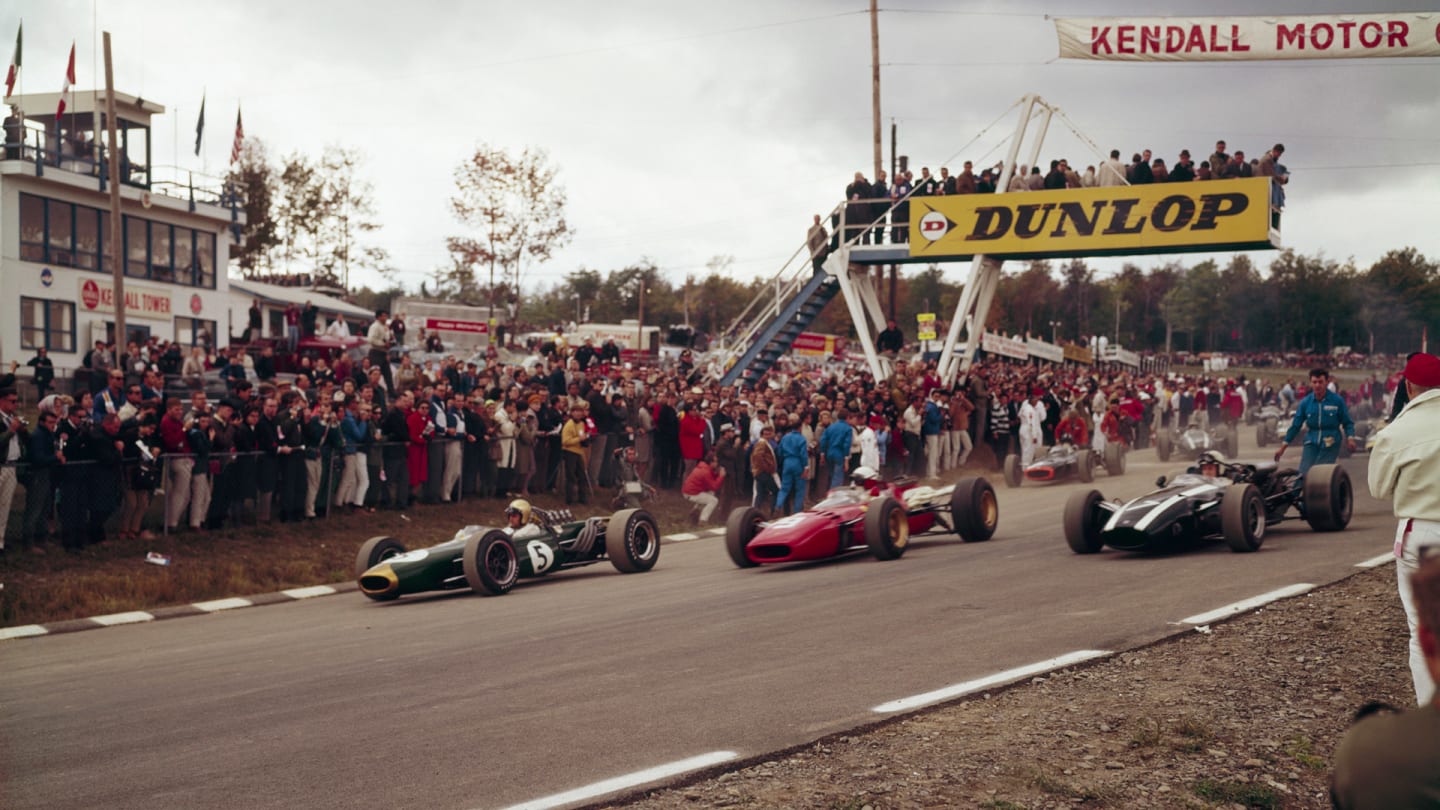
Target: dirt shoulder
x=1246, y=715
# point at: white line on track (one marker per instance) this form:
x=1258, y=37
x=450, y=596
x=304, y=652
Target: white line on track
x=682, y=536
x=133, y=617
x=998, y=679
x=224, y=604
x=22, y=631
x=627, y=781
x=1376, y=562
x=306, y=593
x=1247, y=604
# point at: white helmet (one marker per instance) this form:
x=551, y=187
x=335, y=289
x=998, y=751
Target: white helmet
x=863, y=474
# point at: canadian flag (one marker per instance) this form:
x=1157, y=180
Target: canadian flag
x=69, y=80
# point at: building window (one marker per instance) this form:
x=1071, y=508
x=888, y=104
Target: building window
x=137, y=247
x=47, y=324
x=205, y=259
x=192, y=332
x=107, y=248
x=32, y=228
x=87, y=237
x=60, y=231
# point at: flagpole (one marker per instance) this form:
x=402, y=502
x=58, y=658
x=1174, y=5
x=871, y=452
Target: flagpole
x=116, y=225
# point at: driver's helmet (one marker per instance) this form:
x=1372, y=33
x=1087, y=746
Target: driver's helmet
x=1210, y=465
x=864, y=475
x=520, y=507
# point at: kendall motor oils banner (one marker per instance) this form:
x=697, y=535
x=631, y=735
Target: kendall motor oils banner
x=1225, y=39
x=1112, y=221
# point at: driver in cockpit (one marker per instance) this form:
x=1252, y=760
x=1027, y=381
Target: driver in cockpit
x=518, y=515
x=1208, y=467
x=867, y=479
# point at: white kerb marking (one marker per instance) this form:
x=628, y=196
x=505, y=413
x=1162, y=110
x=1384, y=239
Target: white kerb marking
x=629, y=780
x=1248, y=604
x=133, y=617
x=998, y=679
x=22, y=631
x=223, y=604
x=307, y=593
x=1376, y=562
x=682, y=536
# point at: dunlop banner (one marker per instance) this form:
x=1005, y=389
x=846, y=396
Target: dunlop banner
x=1217, y=39
x=1112, y=221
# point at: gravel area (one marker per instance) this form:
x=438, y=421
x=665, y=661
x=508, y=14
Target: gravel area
x=1245, y=713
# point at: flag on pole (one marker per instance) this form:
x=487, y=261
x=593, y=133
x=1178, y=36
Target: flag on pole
x=69, y=81
x=14, y=72
x=239, y=137
x=200, y=125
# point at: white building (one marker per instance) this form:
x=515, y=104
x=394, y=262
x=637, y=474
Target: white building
x=56, y=256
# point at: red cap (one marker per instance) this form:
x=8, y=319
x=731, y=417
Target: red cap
x=1423, y=370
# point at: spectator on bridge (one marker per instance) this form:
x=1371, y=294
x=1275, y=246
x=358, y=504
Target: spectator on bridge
x=1055, y=178
x=1088, y=179
x=1184, y=168
x=857, y=210
x=1112, y=171
x=1219, y=159
x=926, y=186
x=1139, y=172
x=965, y=182
x=1157, y=170
x=818, y=241
x=880, y=193
x=900, y=213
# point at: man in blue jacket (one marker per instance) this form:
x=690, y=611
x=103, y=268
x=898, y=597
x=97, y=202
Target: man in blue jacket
x=794, y=460
x=932, y=423
x=1328, y=423
x=835, y=445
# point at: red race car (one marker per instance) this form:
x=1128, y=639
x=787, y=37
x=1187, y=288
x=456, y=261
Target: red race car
x=872, y=515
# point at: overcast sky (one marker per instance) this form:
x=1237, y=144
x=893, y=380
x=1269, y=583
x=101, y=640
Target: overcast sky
x=685, y=130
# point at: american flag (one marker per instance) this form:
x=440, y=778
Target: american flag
x=69, y=80
x=239, y=138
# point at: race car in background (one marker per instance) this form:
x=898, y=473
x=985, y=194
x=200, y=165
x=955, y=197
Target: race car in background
x=1063, y=461
x=1193, y=440
x=871, y=515
x=491, y=560
x=1215, y=499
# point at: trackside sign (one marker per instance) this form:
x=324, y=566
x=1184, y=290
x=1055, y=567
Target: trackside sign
x=1223, y=39
x=1111, y=221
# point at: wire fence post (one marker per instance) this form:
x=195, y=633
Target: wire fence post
x=166, y=482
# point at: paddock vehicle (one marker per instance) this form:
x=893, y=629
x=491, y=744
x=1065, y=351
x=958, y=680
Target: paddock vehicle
x=879, y=517
x=1269, y=419
x=491, y=560
x=1064, y=460
x=1193, y=440
x=1237, y=503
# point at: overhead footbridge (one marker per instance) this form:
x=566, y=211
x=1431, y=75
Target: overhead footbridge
x=986, y=230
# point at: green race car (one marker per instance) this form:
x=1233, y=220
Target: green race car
x=491, y=560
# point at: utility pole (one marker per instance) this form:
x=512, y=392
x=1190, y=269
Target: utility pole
x=116, y=225
x=640, y=327
x=875, y=81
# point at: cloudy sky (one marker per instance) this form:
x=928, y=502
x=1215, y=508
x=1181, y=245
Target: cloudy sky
x=686, y=130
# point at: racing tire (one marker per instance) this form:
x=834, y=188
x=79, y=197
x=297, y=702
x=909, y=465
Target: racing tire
x=887, y=529
x=490, y=563
x=1013, y=474
x=375, y=551
x=632, y=541
x=1242, y=517
x=1082, y=530
x=1163, y=446
x=1085, y=465
x=1114, y=458
x=740, y=528
x=974, y=509
x=1329, y=498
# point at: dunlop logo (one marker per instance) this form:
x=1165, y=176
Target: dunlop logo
x=1113, y=221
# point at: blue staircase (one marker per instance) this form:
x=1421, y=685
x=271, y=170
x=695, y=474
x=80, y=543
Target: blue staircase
x=775, y=339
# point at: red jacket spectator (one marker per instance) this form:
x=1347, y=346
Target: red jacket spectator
x=692, y=435
x=172, y=435
x=701, y=479
x=1076, y=428
x=1232, y=404
x=417, y=453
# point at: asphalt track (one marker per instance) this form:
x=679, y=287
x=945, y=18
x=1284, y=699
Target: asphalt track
x=459, y=701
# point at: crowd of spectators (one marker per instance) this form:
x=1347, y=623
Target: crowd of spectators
x=358, y=434
x=872, y=206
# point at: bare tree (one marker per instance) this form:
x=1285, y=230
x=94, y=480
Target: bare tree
x=252, y=180
x=516, y=208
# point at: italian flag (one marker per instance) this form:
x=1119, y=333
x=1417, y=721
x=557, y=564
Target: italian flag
x=14, y=72
x=69, y=81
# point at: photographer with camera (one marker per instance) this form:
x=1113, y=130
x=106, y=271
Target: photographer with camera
x=141, y=474
x=575, y=445
x=14, y=433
